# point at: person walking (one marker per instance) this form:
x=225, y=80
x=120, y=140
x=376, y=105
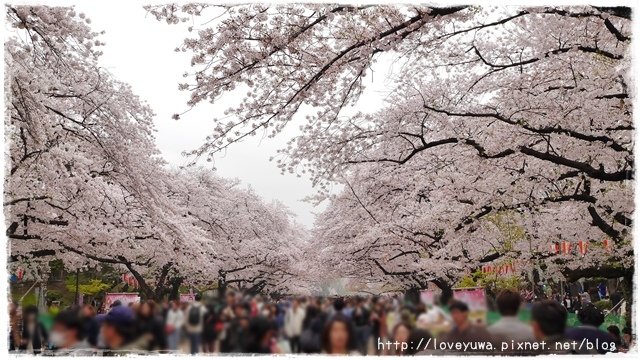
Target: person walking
x=591, y=318
x=194, y=323
x=120, y=335
x=293, y=320
x=14, y=327
x=338, y=337
x=311, y=337
x=464, y=331
x=509, y=327
x=548, y=321
x=67, y=335
x=173, y=325
x=150, y=323
x=34, y=336
x=209, y=333
x=361, y=318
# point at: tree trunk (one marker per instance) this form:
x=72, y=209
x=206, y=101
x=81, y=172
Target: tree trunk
x=174, y=293
x=445, y=287
x=627, y=292
x=222, y=284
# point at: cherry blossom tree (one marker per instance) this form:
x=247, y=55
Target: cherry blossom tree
x=86, y=184
x=255, y=245
x=509, y=111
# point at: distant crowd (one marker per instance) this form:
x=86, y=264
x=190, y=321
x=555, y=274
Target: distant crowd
x=354, y=325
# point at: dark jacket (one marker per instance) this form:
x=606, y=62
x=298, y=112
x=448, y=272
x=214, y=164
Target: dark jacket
x=592, y=335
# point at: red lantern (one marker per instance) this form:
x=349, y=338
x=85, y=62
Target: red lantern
x=582, y=247
x=566, y=247
x=607, y=245
x=555, y=248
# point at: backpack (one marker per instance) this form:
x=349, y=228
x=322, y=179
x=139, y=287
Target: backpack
x=194, y=316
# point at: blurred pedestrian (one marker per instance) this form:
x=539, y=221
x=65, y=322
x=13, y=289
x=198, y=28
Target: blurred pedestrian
x=311, y=336
x=120, y=335
x=209, y=330
x=236, y=330
x=150, y=323
x=361, y=318
x=614, y=331
x=566, y=302
x=548, y=320
x=293, y=324
x=378, y=325
x=91, y=327
x=591, y=318
x=173, y=325
x=627, y=338
x=194, y=324
x=14, y=327
x=34, y=336
x=400, y=338
x=67, y=335
x=261, y=337
x=509, y=327
x=463, y=330
x=338, y=337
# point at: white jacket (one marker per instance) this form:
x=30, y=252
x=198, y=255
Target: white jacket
x=293, y=321
x=175, y=318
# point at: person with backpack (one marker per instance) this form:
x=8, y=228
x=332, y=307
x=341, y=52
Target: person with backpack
x=194, y=325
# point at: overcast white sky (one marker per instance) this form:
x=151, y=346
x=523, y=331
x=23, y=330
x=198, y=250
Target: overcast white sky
x=139, y=51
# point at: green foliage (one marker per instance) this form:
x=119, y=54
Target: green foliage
x=54, y=295
x=492, y=281
x=56, y=265
x=603, y=304
x=29, y=299
x=91, y=287
x=508, y=226
x=467, y=281
x=508, y=282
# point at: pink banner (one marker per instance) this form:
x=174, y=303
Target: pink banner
x=476, y=299
x=125, y=299
x=427, y=297
x=187, y=298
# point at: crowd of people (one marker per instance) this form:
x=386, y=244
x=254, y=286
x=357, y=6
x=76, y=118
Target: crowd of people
x=354, y=325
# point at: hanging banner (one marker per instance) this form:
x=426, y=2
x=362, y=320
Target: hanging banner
x=566, y=247
x=514, y=266
x=582, y=247
x=125, y=299
x=130, y=280
x=476, y=299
